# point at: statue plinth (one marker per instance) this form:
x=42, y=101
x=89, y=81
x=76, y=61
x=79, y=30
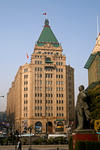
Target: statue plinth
x=84, y=135
x=84, y=131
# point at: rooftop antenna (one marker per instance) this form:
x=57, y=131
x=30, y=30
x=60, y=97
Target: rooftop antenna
x=97, y=27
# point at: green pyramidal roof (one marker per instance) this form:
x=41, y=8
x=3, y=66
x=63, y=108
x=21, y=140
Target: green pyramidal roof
x=47, y=36
x=90, y=60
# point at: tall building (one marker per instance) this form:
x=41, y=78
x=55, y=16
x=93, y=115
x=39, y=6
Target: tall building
x=93, y=63
x=42, y=93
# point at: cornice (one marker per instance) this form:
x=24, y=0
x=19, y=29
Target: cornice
x=48, y=47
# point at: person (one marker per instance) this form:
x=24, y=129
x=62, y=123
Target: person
x=82, y=109
x=19, y=145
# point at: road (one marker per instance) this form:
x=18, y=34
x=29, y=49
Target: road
x=37, y=147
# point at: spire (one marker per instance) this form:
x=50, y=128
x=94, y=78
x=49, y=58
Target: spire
x=95, y=52
x=97, y=46
x=47, y=36
x=46, y=22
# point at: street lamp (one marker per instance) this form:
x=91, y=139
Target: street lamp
x=2, y=96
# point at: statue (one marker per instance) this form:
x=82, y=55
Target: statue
x=82, y=109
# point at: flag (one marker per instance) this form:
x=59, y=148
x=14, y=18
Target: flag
x=27, y=56
x=45, y=13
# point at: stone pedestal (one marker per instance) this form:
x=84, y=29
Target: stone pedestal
x=84, y=135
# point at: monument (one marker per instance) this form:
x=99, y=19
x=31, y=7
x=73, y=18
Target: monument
x=83, y=132
x=82, y=110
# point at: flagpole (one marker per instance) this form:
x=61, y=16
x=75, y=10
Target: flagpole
x=45, y=14
x=97, y=27
x=27, y=56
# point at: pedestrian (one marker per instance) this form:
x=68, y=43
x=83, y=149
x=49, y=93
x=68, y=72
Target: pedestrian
x=19, y=145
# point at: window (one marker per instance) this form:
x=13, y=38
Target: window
x=49, y=95
x=48, y=82
x=38, y=69
x=49, y=88
x=25, y=101
x=25, y=114
x=61, y=76
x=59, y=89
x=59, y=95
x=26, y=89
x=40, y=81
x=61, y=70
x=48, y=69
x=69, y=77
x=25, y=108
x=48, y=75
x=25, y=82
x=26, y=70
x=70, y=96
x=59, y=63
x=56, y=69
x=25, y=76
x=51, y=114
x=40, y=75
x=38, y=62
x=38, y=94
x=25, y=95
x=56, y=76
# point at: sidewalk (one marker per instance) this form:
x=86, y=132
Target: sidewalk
x=36, y=147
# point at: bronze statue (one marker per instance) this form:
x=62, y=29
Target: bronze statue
x=82, y=109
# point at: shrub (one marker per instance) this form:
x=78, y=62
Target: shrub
x=80, y=145
x=50, y=141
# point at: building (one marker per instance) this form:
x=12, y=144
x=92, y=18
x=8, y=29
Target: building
x=42, y=93
x=3, y=117
x=93, y=63
x=3, y=121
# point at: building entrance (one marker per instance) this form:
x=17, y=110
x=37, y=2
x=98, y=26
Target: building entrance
x=49, y=127
x=38, y=127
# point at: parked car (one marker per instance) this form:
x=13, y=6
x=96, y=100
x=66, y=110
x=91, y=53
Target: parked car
x=26, y=135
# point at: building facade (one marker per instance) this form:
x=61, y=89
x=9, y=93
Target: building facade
x=93, y=63
x=42, y=93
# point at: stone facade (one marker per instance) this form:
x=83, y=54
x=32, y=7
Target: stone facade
x=42, y=94
x=93, y=63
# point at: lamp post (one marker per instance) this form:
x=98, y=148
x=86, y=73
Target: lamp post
x=30, y=130
x=2, y=96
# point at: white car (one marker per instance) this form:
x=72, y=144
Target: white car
x=26, y=135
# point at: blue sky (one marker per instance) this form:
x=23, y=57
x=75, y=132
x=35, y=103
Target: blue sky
x=74, y=23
